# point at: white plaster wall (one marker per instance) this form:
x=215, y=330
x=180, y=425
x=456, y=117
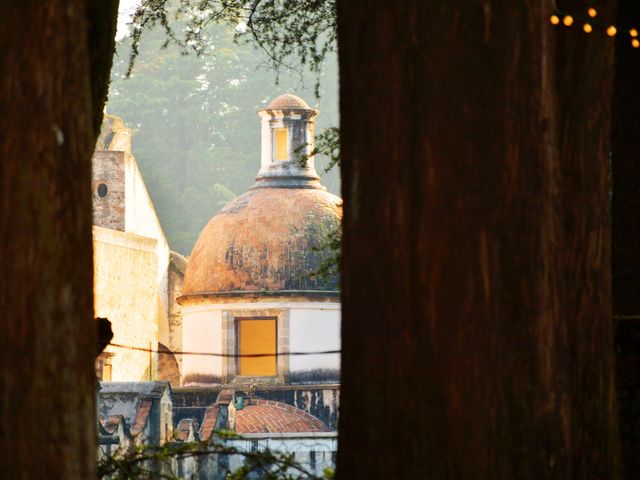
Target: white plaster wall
x=312, y=327
x=312, y=330
x=141, y=219
x=265, y=137
x=323, y=446
x=202, y=332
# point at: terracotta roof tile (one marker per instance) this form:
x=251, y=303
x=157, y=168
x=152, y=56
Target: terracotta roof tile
x=264, y=241
x=209, y=422
x=288, y=101
x=142, y=415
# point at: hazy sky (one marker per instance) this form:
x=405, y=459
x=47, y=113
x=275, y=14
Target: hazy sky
x=124, y=11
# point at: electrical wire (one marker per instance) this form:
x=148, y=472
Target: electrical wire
x=227, y=355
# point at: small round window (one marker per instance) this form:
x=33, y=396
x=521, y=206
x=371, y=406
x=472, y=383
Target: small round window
x=102, y=190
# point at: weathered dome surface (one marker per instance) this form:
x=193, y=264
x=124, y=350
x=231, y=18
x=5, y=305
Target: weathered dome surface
x=263, y=416
x=265, y=240
x=288, y=101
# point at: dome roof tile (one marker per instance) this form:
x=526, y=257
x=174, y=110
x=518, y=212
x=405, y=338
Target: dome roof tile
x=269, y=239
x=288, y=101
x=263, y=416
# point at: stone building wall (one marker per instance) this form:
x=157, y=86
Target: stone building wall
x=313, y=451
x=177, y=267
x=121, y=200
x=131, y=236
x=170, y=331
x=108, y=187
x=141, y=219
x=125, y=291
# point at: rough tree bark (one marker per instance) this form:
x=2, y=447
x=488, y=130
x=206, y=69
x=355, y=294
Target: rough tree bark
x=477, y=331
x=54, y=68
x=625, y=261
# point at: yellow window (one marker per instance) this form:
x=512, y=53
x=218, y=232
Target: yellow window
x=281, y=138
x=106, y=373
x=257, y=336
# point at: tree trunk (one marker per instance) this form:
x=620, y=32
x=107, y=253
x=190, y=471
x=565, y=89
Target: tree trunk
x=477, y=331
x=626, y=236
x=50, y=63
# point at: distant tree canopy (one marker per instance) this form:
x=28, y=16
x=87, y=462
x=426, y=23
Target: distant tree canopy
x=292, y=33
x=196, y=135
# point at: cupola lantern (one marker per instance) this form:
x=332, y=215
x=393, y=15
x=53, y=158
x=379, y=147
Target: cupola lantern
x=287, y=138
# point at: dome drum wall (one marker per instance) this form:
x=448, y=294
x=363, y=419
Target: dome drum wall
x=301, y=327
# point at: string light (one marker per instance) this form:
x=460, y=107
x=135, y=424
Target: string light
x=589, y=24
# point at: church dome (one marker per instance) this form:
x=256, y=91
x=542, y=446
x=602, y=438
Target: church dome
x=273, y=238
x=267, y=240
x=262, y=416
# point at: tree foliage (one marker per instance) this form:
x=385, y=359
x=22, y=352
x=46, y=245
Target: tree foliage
x=196, y=132
x=292, y=33
x=157, y=461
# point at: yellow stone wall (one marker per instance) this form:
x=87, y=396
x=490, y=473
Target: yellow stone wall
x=126, y=292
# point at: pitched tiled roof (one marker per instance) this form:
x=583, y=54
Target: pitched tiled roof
x=266, y=416
x=208, y=422
x=142, y=414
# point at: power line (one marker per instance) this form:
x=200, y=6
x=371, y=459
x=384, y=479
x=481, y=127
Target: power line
x=227, y=355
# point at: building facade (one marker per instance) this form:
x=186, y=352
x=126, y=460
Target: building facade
x=131, y=259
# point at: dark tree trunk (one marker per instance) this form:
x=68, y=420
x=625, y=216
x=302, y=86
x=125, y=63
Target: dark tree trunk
x=477, y=332
x=52, y=62
x=626, y=236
